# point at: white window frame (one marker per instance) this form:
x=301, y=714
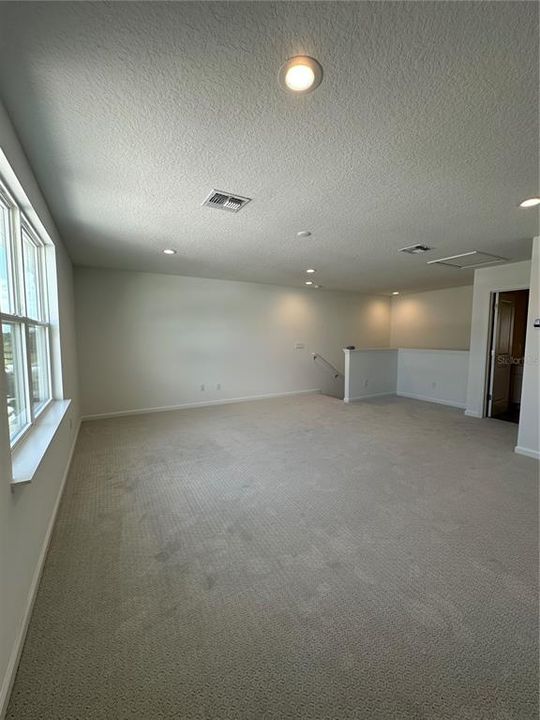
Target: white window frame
x=19, y=224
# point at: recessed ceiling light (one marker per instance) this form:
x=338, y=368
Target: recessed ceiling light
x=303, y=234
x=395, y=292
x=311, y=270
x=169, y=251
x=530, y=202
x=300, y=74
x=309, y=282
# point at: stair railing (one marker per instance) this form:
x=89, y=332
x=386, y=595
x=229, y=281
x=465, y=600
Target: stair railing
x=328, y=365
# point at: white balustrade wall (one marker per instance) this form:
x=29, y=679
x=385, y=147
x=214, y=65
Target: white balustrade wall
x=438, y=376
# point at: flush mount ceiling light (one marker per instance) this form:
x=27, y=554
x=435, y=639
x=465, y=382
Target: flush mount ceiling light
x=309, y=282
x=530, y=202
x=311, y=270
x=300, y=74
x=303, y=234
x=169, y=251
x=395, y=292
x=415, y=249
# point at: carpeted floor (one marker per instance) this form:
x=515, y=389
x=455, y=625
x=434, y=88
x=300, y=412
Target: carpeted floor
x=292, y=558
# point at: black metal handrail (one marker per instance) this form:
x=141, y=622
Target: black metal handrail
x=328, y=365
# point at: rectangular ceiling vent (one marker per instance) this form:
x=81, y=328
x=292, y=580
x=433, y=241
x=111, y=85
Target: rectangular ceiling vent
x=226, y=201
x=415, y=249
x=468, y=260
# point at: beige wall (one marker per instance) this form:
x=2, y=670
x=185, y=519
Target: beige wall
x=26, y=512
x=150, y=341
x=529, y=421
x=438, y=319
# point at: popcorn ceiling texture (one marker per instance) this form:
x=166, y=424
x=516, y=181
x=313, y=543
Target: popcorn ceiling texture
x=424, y=130
x=295, y=559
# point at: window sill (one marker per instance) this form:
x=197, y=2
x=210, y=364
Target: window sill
x=29, y=453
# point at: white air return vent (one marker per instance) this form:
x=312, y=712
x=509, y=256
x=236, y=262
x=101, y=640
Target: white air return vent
x=415, y=249
x=472, y=259
x=226, y=201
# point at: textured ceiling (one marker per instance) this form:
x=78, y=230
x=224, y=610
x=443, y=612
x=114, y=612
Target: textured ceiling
x=425, y=129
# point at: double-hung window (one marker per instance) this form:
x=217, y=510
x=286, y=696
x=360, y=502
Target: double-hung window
x=25, y=318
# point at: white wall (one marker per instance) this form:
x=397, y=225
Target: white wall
x=26, y=512
x=529, y=424
x=369, y=373
x=437, y=319
x=438, y=376
x=151, y=341
x=513, y=276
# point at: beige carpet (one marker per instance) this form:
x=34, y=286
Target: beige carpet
x=293, y=558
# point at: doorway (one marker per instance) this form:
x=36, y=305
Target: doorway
x=507, y=350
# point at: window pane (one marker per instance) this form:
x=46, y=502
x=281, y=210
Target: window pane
x=15, y=369
x=31, y=277
x=6, y=304
x=39, y=363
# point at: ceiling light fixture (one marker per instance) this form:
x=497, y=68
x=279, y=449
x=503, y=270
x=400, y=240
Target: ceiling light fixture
x=303, y=234
x=309, y=282
x=169, y=251
x=415, y=249
x=311, y=270
x=530, y=202
x=395, y=292
x=300, y=74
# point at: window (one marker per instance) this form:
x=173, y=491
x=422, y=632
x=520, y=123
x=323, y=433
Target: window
x=24, y=317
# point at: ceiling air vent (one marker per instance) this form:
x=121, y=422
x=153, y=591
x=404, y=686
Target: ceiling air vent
x=467, y=260
x=415, y=249
x=226, y=201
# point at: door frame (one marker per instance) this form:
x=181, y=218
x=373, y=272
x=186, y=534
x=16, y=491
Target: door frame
x=491, y=331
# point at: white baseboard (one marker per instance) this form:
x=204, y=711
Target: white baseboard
x=16, y=651
x=366, y=397
x=427, y=398
x=527, y=452
x=473, y=413
x=186, y=406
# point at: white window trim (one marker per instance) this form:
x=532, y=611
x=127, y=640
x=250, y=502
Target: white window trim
x=19, y=225
x=29, y=448
x=26, y=459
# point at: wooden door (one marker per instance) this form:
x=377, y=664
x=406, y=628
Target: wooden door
x=501, y=356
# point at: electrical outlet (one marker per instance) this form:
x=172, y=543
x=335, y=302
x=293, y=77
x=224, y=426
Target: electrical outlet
x=218, y=386
x=202, y=388
x=433, y=385
x=366, y=383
